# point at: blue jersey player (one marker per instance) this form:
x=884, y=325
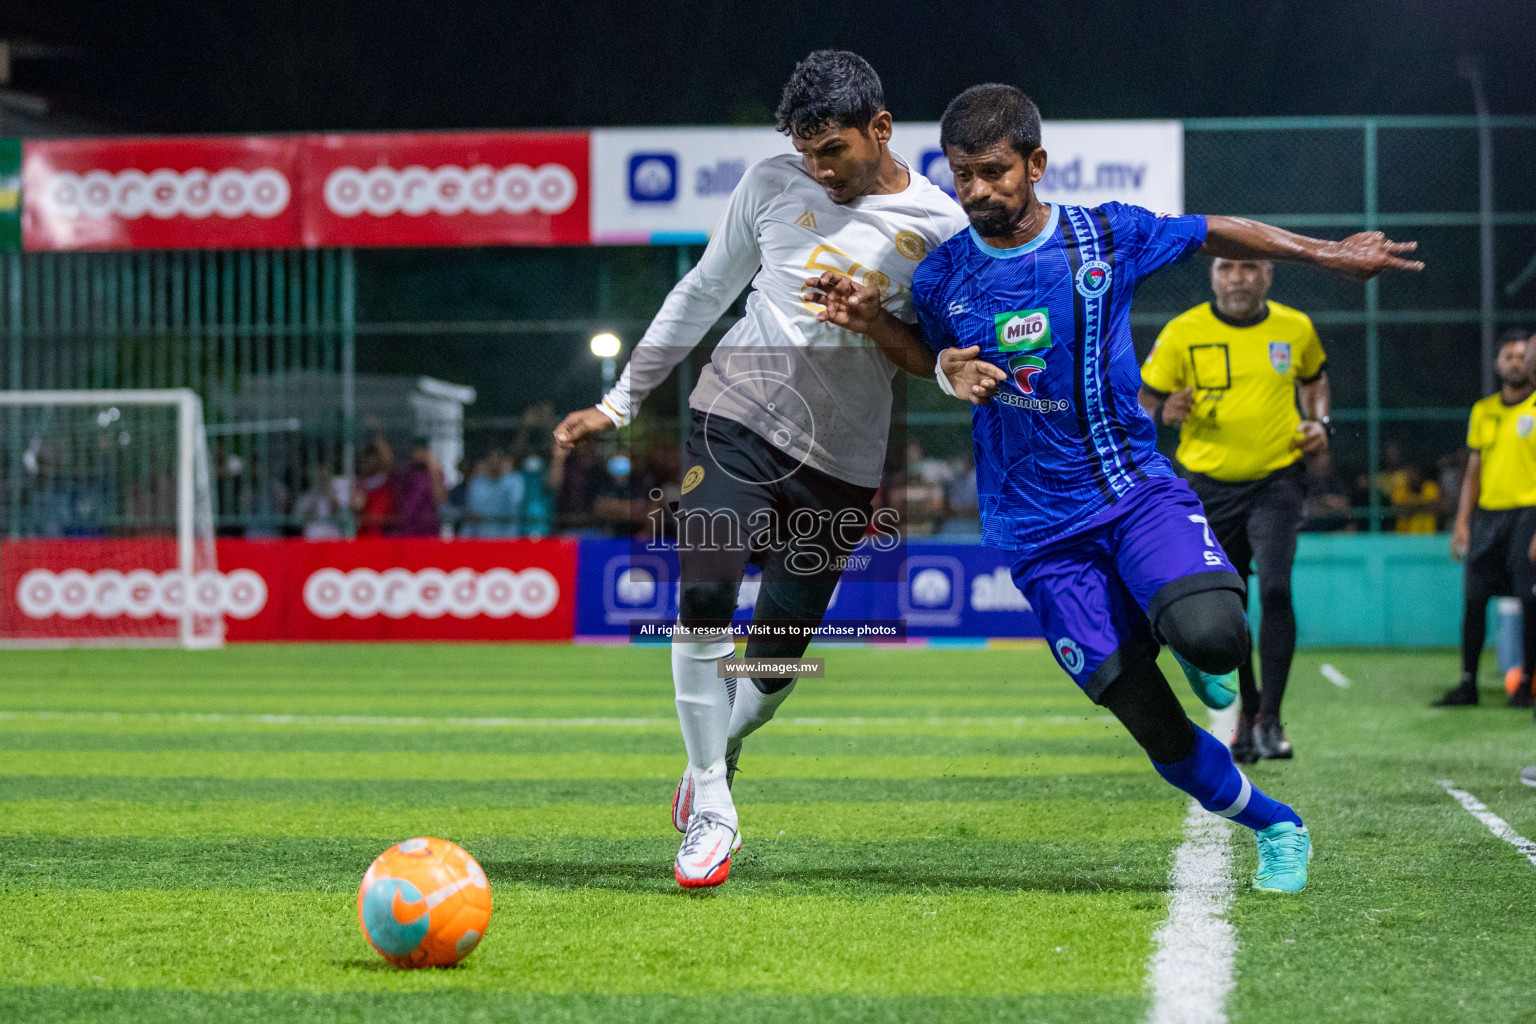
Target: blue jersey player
x=1110, y=546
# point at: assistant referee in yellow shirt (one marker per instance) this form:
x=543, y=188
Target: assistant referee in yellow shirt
x=1495, y=529
x=1230, y=372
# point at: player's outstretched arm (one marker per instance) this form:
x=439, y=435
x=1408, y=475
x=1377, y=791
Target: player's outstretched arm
x=1361, y=256
x=857, y=308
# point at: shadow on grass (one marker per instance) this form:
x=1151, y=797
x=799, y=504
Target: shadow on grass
x=649, y=877
x=378, y=965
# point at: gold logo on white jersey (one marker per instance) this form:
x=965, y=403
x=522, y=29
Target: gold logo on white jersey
x=806, y=220
x=830, y=258
x=911, y=245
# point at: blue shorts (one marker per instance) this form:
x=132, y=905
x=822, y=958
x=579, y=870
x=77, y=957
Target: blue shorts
x=1098, y=592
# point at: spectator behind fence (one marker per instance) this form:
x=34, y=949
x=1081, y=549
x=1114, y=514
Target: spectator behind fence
x=1452, y=468
x=419, y=490
x=1327, y=504
x=615, y=505
x=536, y=505
x=577, y=476
x=319, y=509
x=923, y=490
x=373, y=499
x=452, y=509
x=480, y=498
x=1415, y=501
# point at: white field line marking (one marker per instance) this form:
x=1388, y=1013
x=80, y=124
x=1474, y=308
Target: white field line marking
x=1335, y=677
x=1192, y=971
x=1497, y=825
x=516, y=723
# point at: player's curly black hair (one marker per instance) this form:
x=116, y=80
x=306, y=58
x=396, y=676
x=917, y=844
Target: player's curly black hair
x=829, y=89
x=984, y=115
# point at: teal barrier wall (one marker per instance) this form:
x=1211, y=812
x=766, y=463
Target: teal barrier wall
x=1358, y=588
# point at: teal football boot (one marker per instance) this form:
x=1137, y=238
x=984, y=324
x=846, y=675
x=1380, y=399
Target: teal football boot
x=1215, y=692
x=1284, y=849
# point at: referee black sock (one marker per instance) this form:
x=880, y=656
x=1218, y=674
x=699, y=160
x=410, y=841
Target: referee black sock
x=1277, y=646
x=1528, y=638
x=1248, y=688
x=1474, y=630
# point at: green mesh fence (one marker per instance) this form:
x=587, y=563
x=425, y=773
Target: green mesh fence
x=302, y=357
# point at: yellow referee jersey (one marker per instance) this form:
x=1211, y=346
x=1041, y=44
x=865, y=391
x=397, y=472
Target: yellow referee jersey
x=1505, y=436
x=1244, y=416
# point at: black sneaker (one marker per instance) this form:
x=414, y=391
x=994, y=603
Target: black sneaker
x=1462, y=695
x=1521, y=698
x=1243, y=750
x=1270, y=739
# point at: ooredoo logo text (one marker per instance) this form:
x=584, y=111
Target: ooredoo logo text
x=163, y=194
x=431, y=593
x=138, y=594
x=448, y=191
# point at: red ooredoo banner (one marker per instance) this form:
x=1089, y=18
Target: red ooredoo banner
x=390, y=589
x=465, y=188
x=400, y=189
x=184, y=193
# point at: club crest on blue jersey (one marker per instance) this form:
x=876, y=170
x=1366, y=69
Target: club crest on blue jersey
x=1280, y=356
x=1093, y=278
x=1070, y=654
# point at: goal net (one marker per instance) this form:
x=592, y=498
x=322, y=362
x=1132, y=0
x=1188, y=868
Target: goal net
x=107, y=521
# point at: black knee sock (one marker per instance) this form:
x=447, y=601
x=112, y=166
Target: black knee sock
x=1474, y=630
x=1528, y=636
x=1248, y=688
x=1144, y=703
x=1277, y=646
x=802, y=602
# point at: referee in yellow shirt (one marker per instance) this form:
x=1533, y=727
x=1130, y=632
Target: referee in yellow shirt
x=1230, y=372
x=1498, y=539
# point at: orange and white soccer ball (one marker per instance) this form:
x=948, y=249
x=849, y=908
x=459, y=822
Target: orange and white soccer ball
x=424, y=903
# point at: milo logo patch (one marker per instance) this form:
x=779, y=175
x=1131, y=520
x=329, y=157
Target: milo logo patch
x=1024, y=330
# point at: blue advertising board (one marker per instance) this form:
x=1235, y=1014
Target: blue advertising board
x=941, y=590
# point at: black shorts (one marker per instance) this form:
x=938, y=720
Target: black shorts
x=1256, y=522
x=1498, y=554
x=746, y=501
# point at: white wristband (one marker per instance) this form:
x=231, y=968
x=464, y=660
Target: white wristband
x=944, y=385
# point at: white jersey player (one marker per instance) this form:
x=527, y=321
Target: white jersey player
x=790, y=417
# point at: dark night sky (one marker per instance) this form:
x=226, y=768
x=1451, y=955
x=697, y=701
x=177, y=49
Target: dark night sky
x=274, y=65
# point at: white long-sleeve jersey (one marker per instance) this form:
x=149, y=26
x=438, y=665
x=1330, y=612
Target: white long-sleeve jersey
x=817, y=392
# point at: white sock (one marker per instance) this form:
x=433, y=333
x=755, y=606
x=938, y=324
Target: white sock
x=712, y=793
x=753, y=709
x=704, y=713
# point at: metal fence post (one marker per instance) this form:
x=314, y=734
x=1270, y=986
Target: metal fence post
x=1372, y=339
x=13, y=329
x=348, y=369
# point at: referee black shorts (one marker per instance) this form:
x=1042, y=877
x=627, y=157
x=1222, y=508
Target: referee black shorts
x=745, y=501
x=1256, y=522
x=1498, y=554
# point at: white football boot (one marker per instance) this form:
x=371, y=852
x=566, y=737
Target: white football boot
x=705, y=857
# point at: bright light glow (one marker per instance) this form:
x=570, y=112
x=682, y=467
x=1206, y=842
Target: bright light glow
x=605, y=346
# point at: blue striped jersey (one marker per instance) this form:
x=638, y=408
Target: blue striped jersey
x=1064, y=440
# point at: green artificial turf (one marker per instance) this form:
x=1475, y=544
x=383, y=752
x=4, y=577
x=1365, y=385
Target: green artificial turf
x=942, y=835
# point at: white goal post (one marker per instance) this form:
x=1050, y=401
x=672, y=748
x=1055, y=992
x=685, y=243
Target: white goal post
x=106, y=517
